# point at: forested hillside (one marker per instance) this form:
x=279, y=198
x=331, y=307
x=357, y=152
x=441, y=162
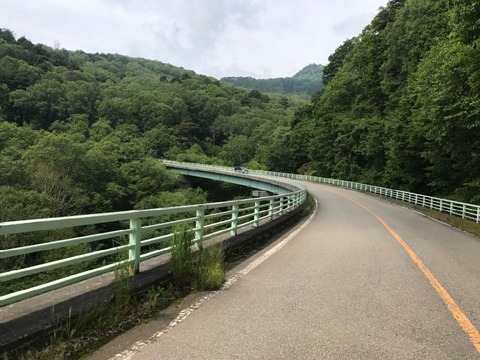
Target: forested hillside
x=401, y=107
x=306, y=82
x=80, y=133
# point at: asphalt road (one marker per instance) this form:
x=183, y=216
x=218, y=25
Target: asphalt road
x=361, y=279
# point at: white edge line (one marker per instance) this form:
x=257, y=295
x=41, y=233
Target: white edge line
x=139, y=345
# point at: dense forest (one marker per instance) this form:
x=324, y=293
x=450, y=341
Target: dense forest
x=401, y=107
x=304, y=83
x=80, y=133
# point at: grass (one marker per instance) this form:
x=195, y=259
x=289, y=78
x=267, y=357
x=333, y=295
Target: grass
x=209, y=269
x=97, y=326
x=77, y=336
x=204, y=270
x=467, y=225
x=181, y=257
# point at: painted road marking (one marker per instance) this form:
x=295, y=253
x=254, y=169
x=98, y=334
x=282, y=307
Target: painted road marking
x=457, y=313
x=139, y=345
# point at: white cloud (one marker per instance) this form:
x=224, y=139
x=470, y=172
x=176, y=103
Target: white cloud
x=261, y=38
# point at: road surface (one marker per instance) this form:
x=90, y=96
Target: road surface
x=360, y=279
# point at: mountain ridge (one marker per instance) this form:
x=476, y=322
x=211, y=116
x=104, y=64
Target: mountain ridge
x=307, y=81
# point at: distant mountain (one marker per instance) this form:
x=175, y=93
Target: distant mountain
x=306, y=81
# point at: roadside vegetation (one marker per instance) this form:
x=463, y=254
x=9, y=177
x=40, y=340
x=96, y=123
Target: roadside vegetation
x=192, y=271
x=200, y=270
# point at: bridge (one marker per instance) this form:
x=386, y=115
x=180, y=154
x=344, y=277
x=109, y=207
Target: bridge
x=362, y=278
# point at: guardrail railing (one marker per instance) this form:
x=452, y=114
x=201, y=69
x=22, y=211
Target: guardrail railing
x=285, y=178
x=456, y=208
x=130, y=237
x=118, y=239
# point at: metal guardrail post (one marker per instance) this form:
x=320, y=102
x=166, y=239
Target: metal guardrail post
x=234, y=223
x=134, y=239
x=256, y=213
x=199, y=227
x=270, y=209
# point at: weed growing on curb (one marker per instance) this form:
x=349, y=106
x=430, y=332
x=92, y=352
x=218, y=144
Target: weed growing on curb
x=181, y=256
x=209, y=269
x=204, y=270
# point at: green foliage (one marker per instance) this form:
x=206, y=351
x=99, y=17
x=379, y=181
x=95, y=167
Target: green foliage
x=17, y=204
x=17, y=74
x=336, y=60
x=106, y=113
x=194, y=155
x=447, y=113
x=306, y=82
x=417, y=27
x=465, y=20
x=173, y=198
x=238, y=150
x=400, y=108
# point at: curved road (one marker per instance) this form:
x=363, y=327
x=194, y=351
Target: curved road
x=361, y=279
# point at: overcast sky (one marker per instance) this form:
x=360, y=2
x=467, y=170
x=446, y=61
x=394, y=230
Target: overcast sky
x=259, y=38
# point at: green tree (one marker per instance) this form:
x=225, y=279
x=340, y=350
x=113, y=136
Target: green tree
x=465, y=20
x=417, y=27
x=447, y=113
x=40, y=104
x=56, y=165
x=238, y=150
x=81, y=98
x=17, y=74
x=336, y=60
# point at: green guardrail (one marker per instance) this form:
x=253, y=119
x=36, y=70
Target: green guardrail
x=455, y=208
x=138, y=235
x=127, y=238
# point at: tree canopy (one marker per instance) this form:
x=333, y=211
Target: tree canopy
x=81, y=132
x=401, y=104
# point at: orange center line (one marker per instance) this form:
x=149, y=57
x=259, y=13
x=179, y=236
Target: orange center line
x=457, y=313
